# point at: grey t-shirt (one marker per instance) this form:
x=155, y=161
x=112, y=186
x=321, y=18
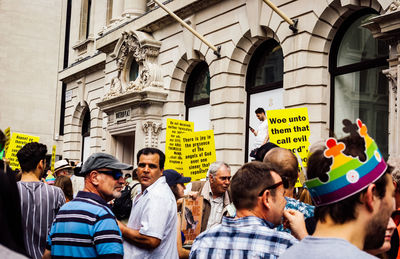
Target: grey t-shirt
x=326, y=248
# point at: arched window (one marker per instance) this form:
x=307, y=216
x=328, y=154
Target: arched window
x=86, y=136
x=358, y=87
x=197, y=97
x=264, y=85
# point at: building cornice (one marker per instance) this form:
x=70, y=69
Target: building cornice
x=82, y=68
x=152, y=21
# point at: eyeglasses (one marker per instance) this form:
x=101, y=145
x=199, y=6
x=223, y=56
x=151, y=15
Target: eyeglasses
x=116, y=174
x=284, y=182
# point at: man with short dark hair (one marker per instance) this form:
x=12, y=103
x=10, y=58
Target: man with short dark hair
x=152, y=227
x=258, y=195
x=284, y=162
x=86, y=227
x=40, y=202
x=354, y=197
x=261, y=133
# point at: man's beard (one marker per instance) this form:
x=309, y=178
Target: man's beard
x=116, y=194
x=376, y=231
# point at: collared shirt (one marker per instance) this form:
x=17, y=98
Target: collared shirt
x=306, y=209
x=40, y=203
x=154, y=214
x=247, y=237
x=85, y=228
x=217, y=208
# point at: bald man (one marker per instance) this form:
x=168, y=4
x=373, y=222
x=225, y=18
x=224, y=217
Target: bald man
x=284, y=162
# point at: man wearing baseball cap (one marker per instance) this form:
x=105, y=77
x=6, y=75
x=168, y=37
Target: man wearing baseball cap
x=86, y=226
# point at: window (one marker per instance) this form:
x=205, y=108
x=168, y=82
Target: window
x=264, y=85
x=197, y=99
x=65, y=65
x=359, y=89
x=133, y=71
x=84, y=29
x=85, y=136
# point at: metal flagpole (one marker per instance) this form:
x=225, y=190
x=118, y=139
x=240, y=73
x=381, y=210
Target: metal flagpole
x=195, y=33
x=292, y=23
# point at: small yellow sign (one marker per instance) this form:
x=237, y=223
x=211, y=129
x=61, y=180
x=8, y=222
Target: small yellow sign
x=53, y=158
x=18, y=140
x=198, y=152
x=290, y=129
x=173, y=148
x=7, y=132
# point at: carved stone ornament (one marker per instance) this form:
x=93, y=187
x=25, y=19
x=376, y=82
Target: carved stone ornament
x=394, y=6
x=143, y=49
x=391, y=74
x=115, y=88
x=152, y=131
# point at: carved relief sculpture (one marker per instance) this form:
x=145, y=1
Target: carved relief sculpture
x=144, y=50
x=152, y=131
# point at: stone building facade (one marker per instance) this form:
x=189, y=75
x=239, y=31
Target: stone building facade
x=29, y=65
x=132, y=66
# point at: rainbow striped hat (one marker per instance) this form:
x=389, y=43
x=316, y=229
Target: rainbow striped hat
x=347, y=175
x=50, y=179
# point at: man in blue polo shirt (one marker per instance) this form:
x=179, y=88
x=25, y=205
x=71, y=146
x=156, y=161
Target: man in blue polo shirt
x=86, y=227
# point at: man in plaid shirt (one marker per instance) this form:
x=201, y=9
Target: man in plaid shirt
x=258, y=195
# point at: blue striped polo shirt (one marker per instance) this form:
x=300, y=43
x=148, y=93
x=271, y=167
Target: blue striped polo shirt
x=85, y=228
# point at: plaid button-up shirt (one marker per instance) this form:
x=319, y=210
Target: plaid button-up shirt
x=247, y=237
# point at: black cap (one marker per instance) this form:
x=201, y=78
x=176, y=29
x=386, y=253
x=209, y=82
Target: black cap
x=173, y=177
x=102, y=160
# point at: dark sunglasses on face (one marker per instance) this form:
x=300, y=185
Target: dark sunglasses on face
x=116, y=174
x=274, y=186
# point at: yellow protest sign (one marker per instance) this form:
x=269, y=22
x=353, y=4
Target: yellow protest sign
x=7, y=132
x=18, y=140
x=290, y=129
x=198, y=152
x=53, y=158
x=173, y=155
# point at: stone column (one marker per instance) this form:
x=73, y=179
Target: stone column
x=386, y=27
x=117, y=9
x=134, y=8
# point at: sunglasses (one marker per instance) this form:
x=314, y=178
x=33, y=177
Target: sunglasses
x=116, y=174
x=284, y=182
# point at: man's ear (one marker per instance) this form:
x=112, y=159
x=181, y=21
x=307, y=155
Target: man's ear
x=94, y=178
x=266, y=199
x=368, y=198
x=40, y=165
x=211, y=178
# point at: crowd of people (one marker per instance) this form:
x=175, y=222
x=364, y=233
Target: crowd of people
x=349, y=206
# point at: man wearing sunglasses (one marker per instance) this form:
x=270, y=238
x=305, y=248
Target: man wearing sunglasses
x=258, y=195
x=86, y=226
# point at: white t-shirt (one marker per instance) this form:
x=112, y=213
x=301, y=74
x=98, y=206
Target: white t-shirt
x=262, y=133
x=154, y=214
x=327, y=248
